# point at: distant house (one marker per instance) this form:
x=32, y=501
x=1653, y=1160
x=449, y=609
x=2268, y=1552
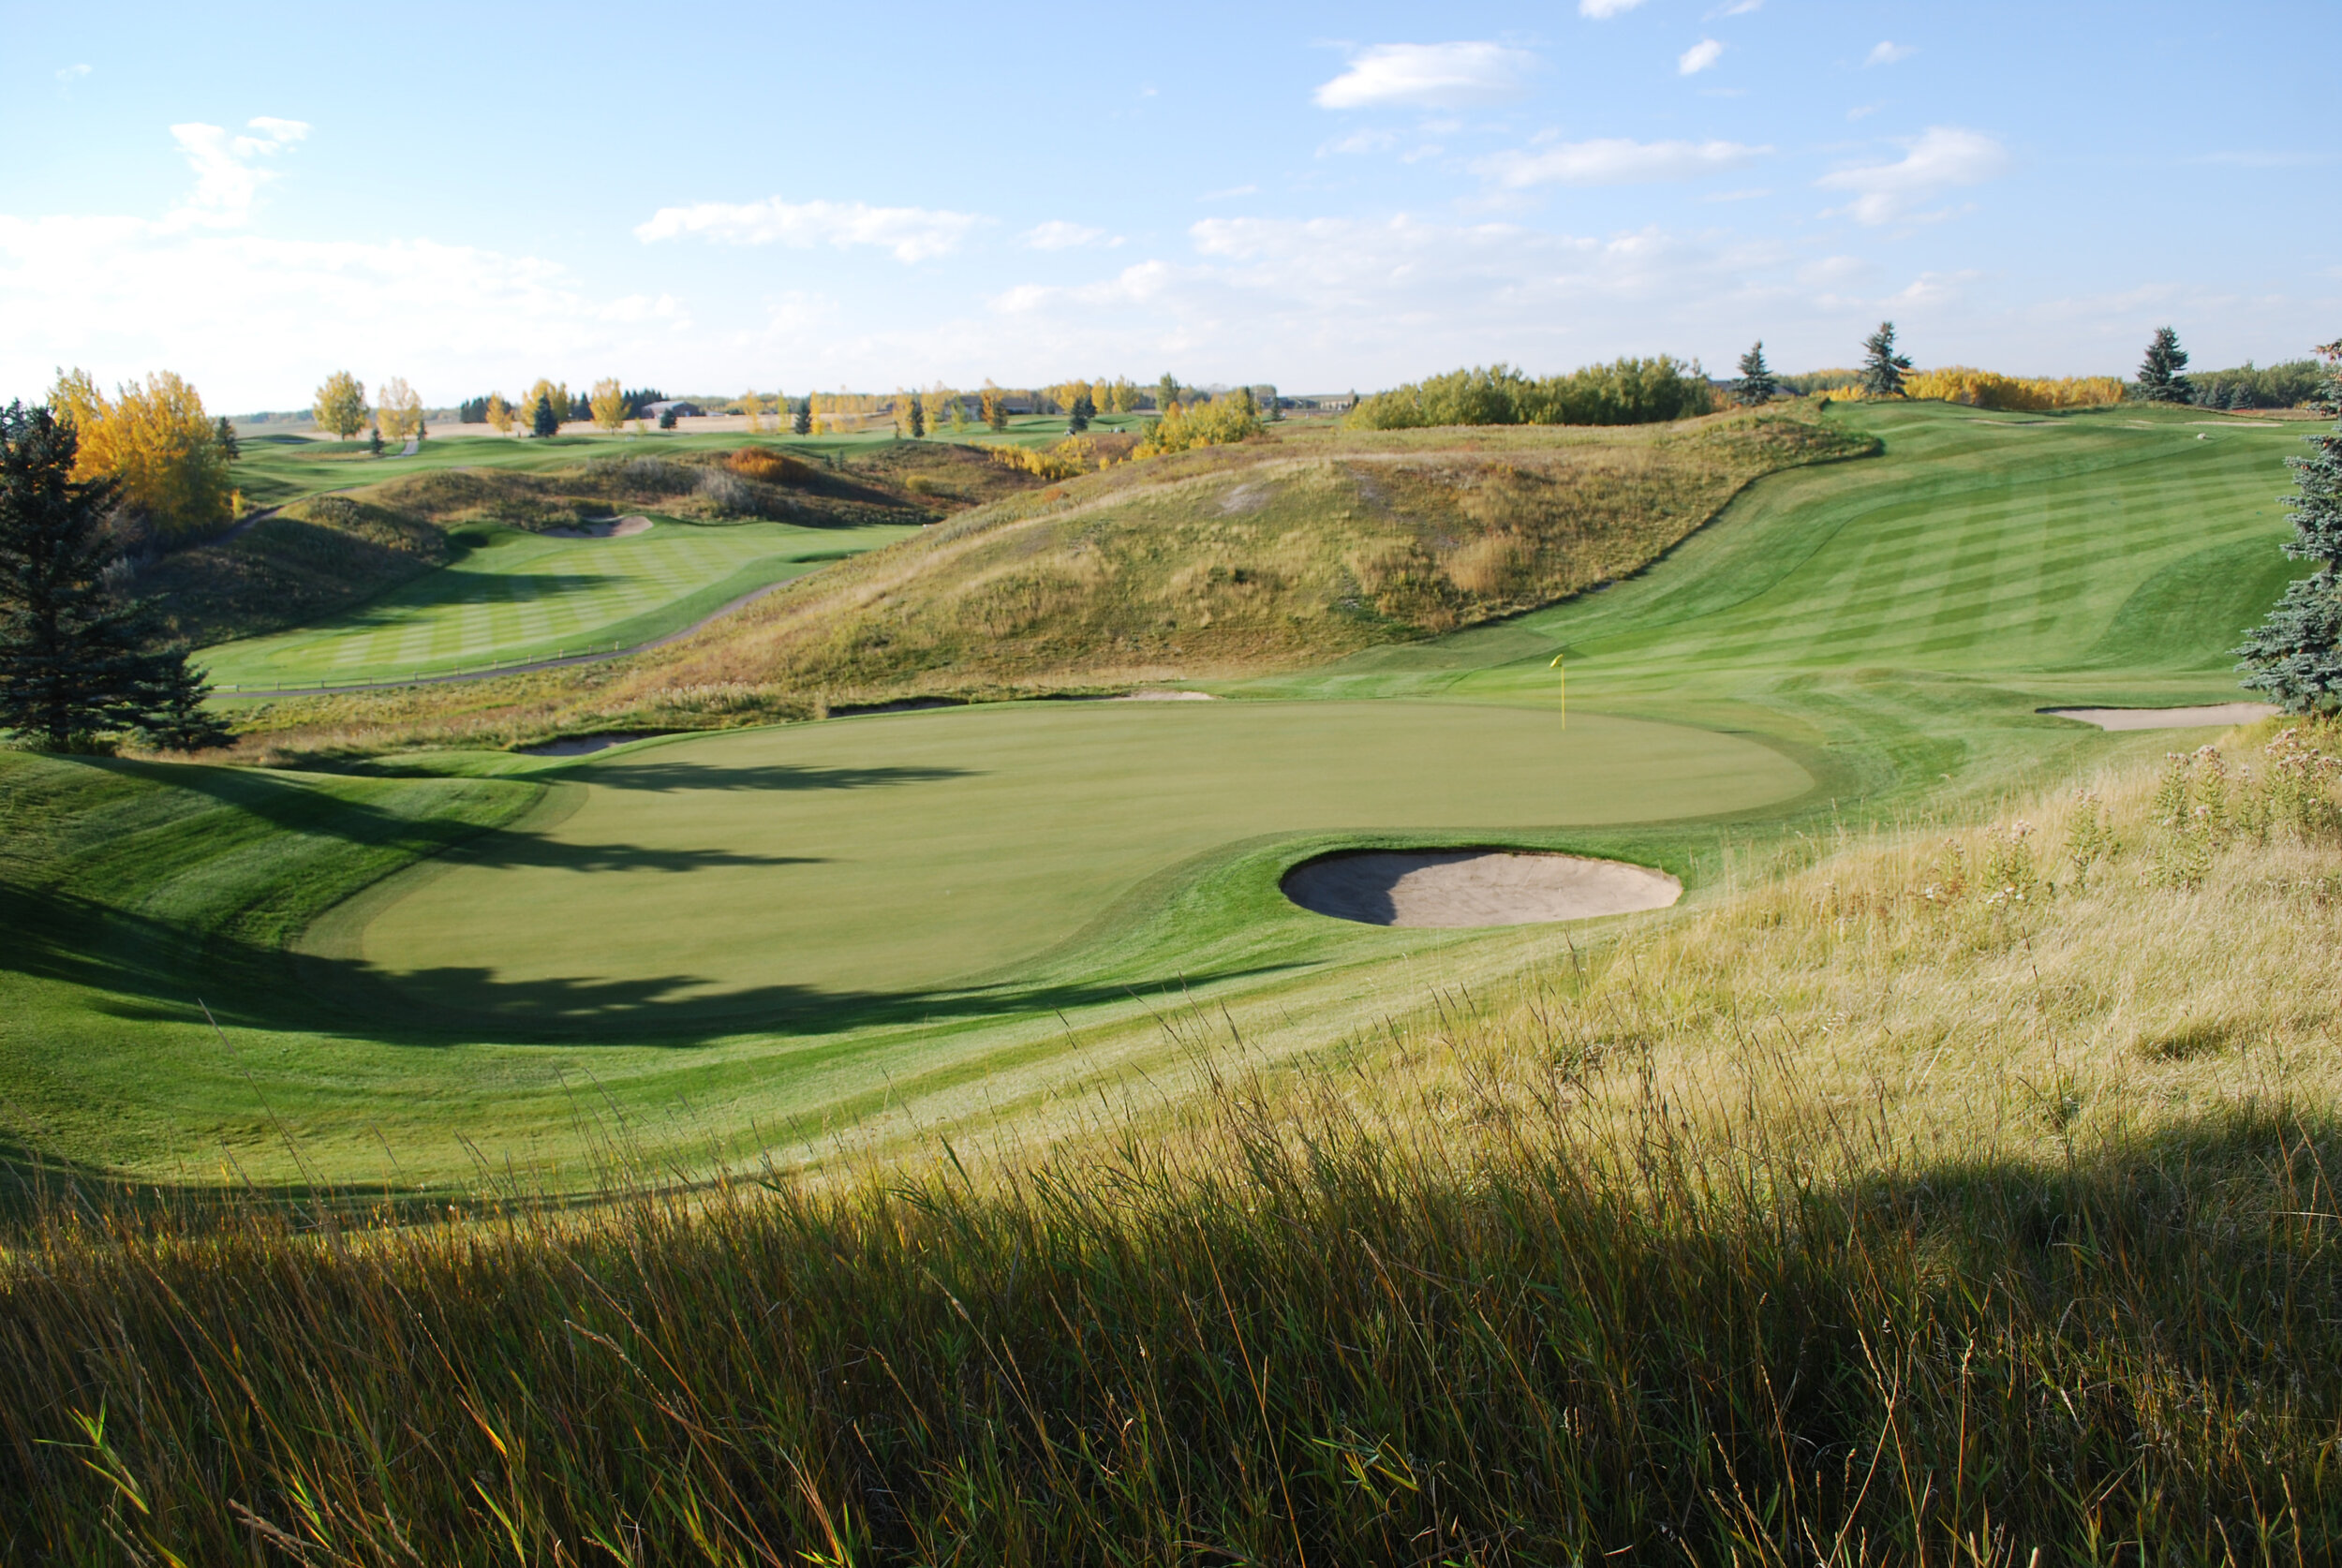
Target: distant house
x=654, y=411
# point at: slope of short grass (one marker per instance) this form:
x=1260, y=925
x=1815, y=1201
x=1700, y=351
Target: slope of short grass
x=506, y=595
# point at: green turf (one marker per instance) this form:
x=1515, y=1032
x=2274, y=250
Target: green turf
x=912, y=853
x=512, y=596
x=788, y=938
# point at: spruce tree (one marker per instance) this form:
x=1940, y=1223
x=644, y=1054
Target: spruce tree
x=2160, y=378
x=1085, y=410
x=543, y=421
x=1882, y=367
x=2295, y=656
x=915, y=416
x=803, y=424
x=226, y=435
x=75, y=658
x=1757, y=383
x=374, y=440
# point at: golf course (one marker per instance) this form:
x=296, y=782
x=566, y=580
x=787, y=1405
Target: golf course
x=873, y=922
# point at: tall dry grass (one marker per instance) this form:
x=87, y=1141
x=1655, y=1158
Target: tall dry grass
x=1964, y=1197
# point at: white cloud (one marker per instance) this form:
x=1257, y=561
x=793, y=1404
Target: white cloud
x=1697, y=58
x=1890, y=54
x=71, y=74
x=912, y=233
x=1603, y=9
x=1942, y=158
x=229, y=173
x=1231, y=192
x=1364, y=139
x=1738, y=7
x=1863, y=110
x=1057, y=234
x=1429, y=76
x=1617, y=162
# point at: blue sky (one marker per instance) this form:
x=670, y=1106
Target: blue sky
x=718, y=196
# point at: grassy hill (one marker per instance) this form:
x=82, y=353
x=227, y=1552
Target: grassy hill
x=349, y=527
x=886, y=916
x=932, y=1136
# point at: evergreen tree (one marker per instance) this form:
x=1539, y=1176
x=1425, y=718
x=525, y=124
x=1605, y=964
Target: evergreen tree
x=543, y=419
x=2295, y=656
x=374, y=440
x=996, y=408
x=803, y=424
x=1757, y=383
x=1085, y=410
x=229, y=446
x=1883, y=369
x=74, y=658
x=2160, y=378
x=915, y=415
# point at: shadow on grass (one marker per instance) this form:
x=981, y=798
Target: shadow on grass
x=144, y=970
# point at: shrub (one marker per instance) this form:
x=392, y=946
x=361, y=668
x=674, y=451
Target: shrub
x=767, y=466
x=1624, y=392
x=1985, y=388
x=1210, y=424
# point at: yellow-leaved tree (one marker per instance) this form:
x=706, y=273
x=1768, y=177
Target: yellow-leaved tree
x=1221, y=420
x=399, y=414
x=158, y=441
x=608, y=402
x=555, y=394
x=341, y=405
x=499, y=414
x=753, y=406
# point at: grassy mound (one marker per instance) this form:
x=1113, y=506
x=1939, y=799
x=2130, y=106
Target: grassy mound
x=1874, y=1215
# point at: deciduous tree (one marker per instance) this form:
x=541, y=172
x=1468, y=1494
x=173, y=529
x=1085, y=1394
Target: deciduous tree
x=2295, y=656
x=341, y=405
x=75, y=660
x=1757, y=383
x=2160, y=377
x=1883, y=369
x=995, y=408
x=609, y=404
x=499, y=414
x=1166, y=392
x=399, y=414
x=157, y=440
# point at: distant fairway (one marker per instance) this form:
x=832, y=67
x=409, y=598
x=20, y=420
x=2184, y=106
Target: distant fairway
x=898, y=854
x=516, y=596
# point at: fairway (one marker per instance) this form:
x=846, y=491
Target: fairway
x=906, y=852
x=511, y=595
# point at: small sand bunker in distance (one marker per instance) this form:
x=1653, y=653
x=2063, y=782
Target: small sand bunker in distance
x=609, y=527
x=1474, y=887
x=2168, y=719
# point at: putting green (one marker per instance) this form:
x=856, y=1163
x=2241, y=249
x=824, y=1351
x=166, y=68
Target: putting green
x=902, y=853
x=510, y=595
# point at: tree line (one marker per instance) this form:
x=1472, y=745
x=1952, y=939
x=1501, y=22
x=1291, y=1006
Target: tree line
x=1624, y=392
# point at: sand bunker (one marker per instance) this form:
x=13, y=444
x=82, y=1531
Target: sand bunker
x=609, y=527
x=2216, y=714
x=1474, y=887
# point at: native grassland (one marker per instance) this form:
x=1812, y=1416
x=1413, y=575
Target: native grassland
x=1963, y=1196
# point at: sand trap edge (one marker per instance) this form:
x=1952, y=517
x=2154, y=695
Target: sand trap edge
x=2204, y=717
x=1472, y=887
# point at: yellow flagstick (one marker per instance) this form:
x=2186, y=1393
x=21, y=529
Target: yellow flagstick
x=1561, y=689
